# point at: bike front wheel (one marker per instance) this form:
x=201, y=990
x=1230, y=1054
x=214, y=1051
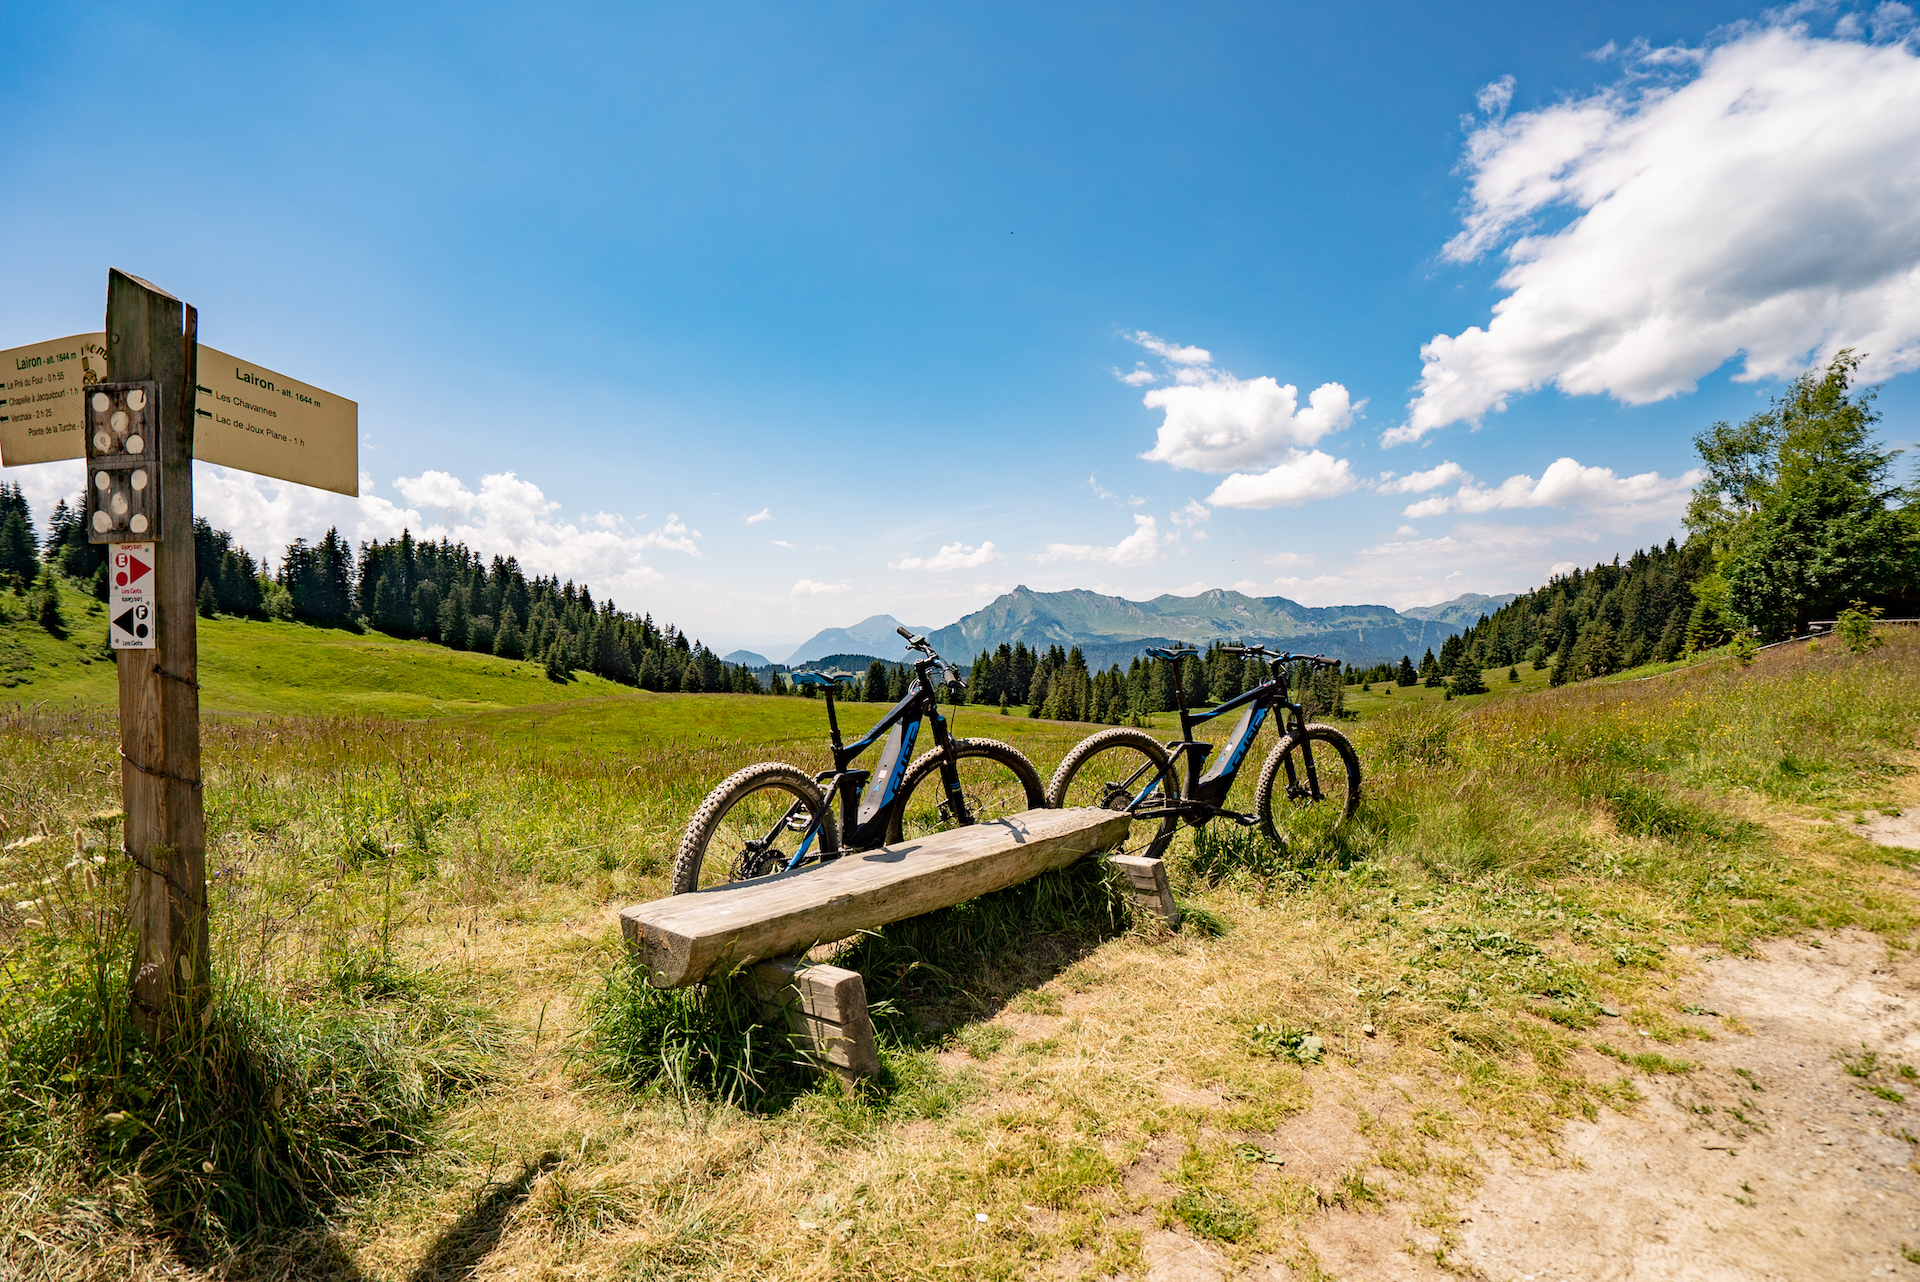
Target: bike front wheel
x=753, y=825
x=996, y=780
x=1117, y=770
x=1309, y=786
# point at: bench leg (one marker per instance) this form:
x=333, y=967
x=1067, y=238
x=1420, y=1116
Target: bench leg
x=1150, y=890
x=825, y=1008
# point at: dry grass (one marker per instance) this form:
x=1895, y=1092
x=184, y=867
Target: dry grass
x=1518, y=871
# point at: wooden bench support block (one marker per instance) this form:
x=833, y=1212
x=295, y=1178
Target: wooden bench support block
x=683, y=939
x=1150, y=890
x=825, y=1008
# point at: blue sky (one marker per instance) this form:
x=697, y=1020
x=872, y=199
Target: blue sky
x=608, y=281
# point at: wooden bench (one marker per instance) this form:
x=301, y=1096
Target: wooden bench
x=770, y=923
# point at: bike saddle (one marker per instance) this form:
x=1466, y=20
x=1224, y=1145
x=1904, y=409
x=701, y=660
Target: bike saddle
x=820, y=678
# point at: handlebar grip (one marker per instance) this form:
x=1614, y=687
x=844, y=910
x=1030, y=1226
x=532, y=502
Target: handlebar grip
x=908, y=636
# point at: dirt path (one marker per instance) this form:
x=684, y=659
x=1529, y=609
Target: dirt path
x=1769, y=1161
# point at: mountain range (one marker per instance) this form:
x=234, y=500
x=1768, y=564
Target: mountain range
x=875, y=636
x=1110, y=629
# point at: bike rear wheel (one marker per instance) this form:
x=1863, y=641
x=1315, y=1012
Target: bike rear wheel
x=1113, y=770
x=996, y=779
x=1309, y=787
x=749, y=827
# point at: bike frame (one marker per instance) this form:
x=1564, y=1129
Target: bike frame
x=1192, y=805
x=882, y=794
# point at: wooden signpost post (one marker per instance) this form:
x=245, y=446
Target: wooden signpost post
x=151, y=335
x=131, y=402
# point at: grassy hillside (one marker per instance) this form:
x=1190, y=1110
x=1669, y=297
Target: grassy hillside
x=416, y=920
x=247, y=666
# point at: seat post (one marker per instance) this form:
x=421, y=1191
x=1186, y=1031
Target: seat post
x=833, y=722
x=1180, y=696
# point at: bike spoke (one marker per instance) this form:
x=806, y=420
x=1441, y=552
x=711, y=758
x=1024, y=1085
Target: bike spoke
x=755, y=837
x=988, y=791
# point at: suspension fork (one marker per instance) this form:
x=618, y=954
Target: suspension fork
x=949, y=763
x=1299, y=730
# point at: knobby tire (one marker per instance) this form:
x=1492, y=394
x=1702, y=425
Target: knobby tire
x=709, y=820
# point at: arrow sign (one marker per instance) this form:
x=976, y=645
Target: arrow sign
x=131, y=603
x=133, y=629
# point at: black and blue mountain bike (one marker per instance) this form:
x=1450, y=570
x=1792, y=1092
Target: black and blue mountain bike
x=1310, y=780
x=773, y=817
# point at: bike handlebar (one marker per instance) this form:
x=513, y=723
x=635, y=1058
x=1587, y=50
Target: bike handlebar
x=921, y=644
x=1271, y=656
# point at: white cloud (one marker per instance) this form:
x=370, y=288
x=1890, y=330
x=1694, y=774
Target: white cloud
x=441, y=490
x=1216, y=422
x=1419, y=482
x=506, y=516
x=764, y=514
x=1758, y=198
x=954, y=556
x=1562, y=567
x=1247, y=587
x=1493, y=99
x=1283, y=559
x=1100, y=491
x=1302, y=477
x=812, y=587
x=674, y=535
x=1139, y=377
x=1565, y=484
x=781, y=543
x=1407, y=532
x=1190, y=518
x=1172, y=353
x=1142, y=547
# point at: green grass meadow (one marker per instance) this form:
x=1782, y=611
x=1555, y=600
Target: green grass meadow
x=428, y=1060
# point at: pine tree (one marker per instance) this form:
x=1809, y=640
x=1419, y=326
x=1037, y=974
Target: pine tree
x=426, y=610
x=1467, y=679
x=556, y=660
x=1404, y=675
x=1513, y=674
x=1562, y=671
x=19, y=557
x=876, y=689
x=508, y=643
x=50, y=616
x=455, y=622
x=388, y=614
x=207, y=602
x=1430, y=674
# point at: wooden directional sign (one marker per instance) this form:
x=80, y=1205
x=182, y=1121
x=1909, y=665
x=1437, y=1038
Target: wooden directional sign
x=259, y=421
x=40, y=412
x=249, y=417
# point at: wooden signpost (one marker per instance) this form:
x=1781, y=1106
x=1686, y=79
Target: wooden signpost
x=151, y=337
x=131, y=402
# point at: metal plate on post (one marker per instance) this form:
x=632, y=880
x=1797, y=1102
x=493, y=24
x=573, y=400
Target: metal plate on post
x=121, y=423
x=131, y=597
